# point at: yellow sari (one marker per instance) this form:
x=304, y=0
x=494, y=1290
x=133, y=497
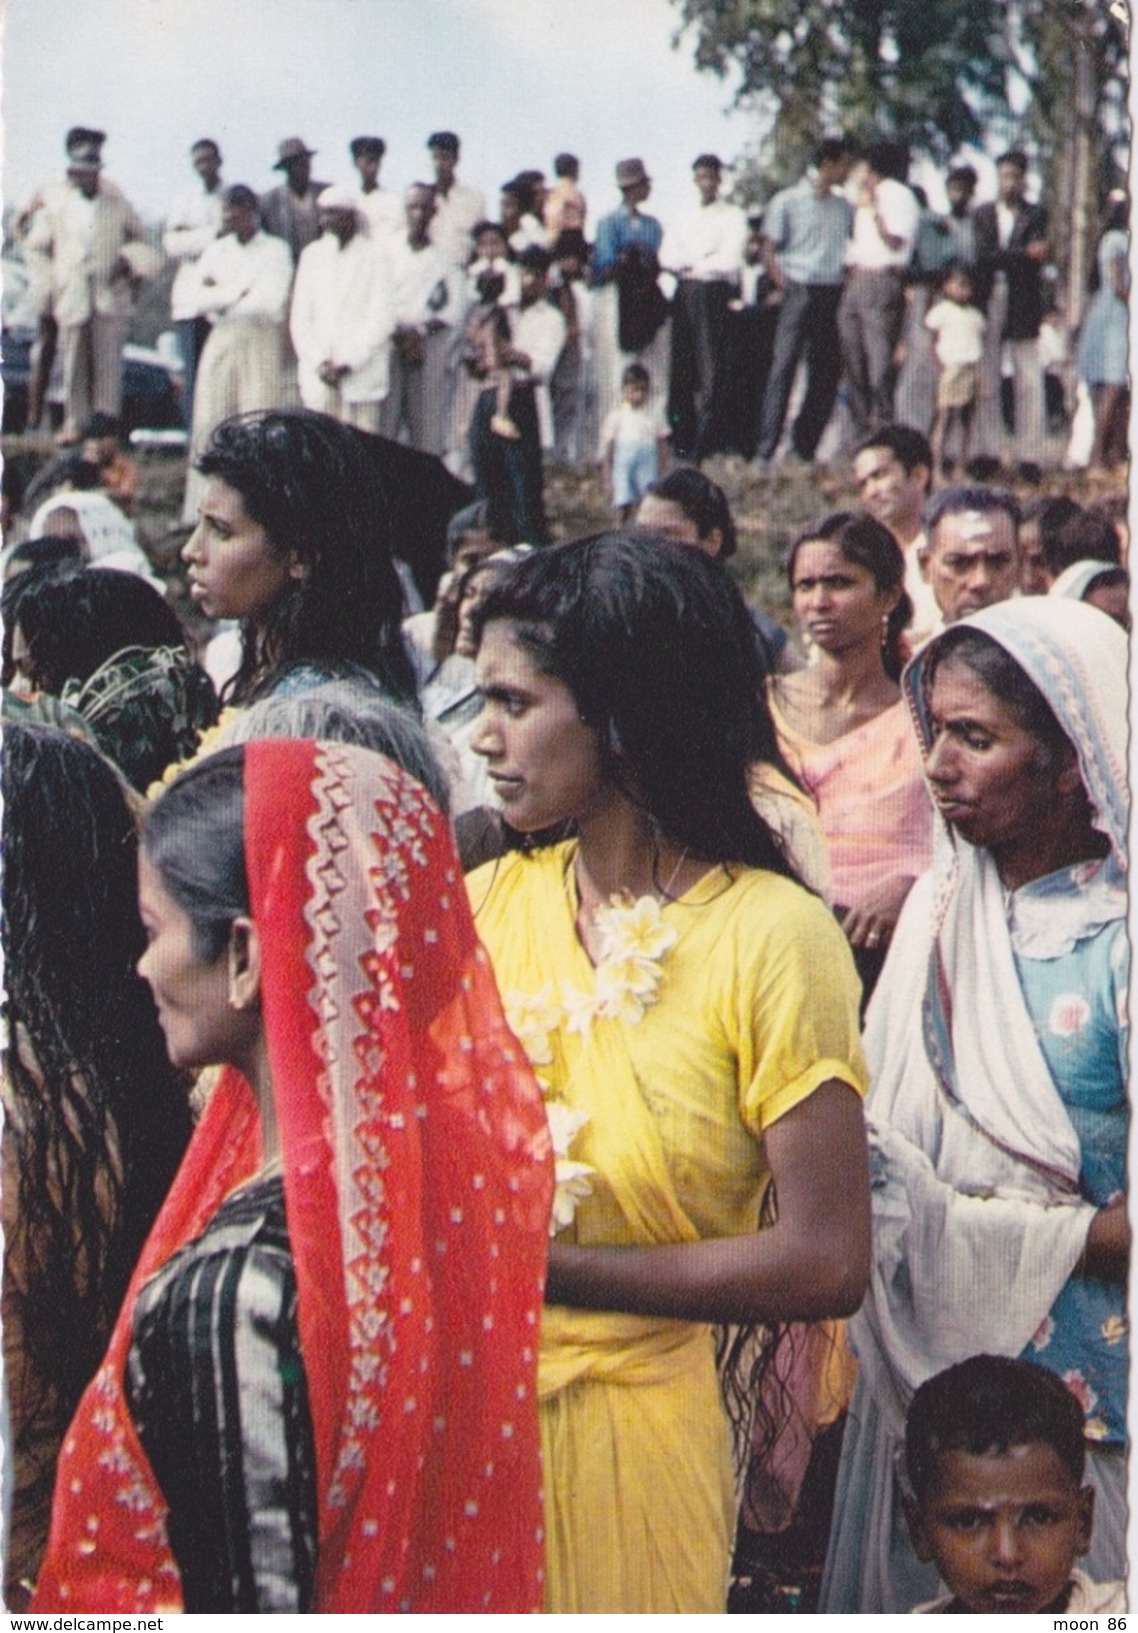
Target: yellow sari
x=756, y=1007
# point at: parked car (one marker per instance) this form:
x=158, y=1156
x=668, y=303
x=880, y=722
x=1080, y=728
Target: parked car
x=152, y=381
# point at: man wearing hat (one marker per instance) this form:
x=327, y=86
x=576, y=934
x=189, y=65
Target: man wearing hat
x=244, y=280
x=342, y=316
x=457, y=208
x=192, y=225
x=631, y=313
x=87, y=251
x=706, y=253
x=381, y=207
x=289, y=211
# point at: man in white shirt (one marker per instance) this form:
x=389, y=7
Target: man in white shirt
x=192, y=225
x=706, y=253
x=893, y=470
x=382, y=208
x=508, y=471
x=425, y=307
x=872, y=308
x=457, y=209
x=244, y=279
x=342, y=316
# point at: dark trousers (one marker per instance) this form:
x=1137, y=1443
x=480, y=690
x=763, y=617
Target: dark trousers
x=192, y=334
x=699, y=319
x=870, y=316
x=807, y=325
x=507, y=472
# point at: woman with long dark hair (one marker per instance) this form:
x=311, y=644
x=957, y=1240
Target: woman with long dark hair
x=692, y=1013
x=293, y=539
x=319, y=1394
x=95, y=1117
x=843, y=728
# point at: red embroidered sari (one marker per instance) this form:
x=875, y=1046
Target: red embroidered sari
x=418, y=1181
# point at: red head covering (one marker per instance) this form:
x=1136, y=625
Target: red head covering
x=417, y=1187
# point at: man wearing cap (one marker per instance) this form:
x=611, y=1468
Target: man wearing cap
x=631, y=312
x=341, y=316
x=381, y=207
x=289, y=211
x=425, y=302
x=88, y=252
x=456, y=208
x=192, y=225
x=706, y=253
x=244, y=279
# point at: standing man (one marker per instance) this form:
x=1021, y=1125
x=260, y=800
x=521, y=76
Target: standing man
x=381, y=207
x=244, y=278
x=341, y=316
x=805, y=232
x=971, y=560
x=457, y=209
x=631, y=317
x=1011, y=248
x=289, y=211
x=425, y=310
x=192, y=225
x=508, y=470
x=90, y=253
x=893, y=470
x=706, y=254
x=872, y=307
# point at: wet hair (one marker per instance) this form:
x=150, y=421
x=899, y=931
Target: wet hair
x=654, y=642
x=194, y=837
x=986, y=1405
x=73, y=621
x=315, y=487
x=996, y=670
x=98, y=1117
x=702, y=501
x=969, y=497
x=867, y=543
x=910, y=446
x=348, y=711
x=1085, y=536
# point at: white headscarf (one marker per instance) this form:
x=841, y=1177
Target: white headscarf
x=108, y=535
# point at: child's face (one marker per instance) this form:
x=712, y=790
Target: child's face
x=1005, y=1529
x=958, y=288
x=635, y=393
x=490, y=246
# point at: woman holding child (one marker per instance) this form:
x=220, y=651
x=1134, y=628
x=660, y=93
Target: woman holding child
x=997, y=1048
x=692, y=1014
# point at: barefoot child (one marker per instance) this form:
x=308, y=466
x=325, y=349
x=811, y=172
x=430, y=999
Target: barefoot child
x=634, y=444
x=494, y=278
x=959, y=330
x=995, y=1454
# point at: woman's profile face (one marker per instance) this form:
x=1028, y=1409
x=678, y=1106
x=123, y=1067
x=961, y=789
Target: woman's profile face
x=984, y=765
x=233, y=572
x=543, y=761
x=836, y=601
x=191, y=995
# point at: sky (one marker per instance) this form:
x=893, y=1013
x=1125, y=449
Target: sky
x=519, y=80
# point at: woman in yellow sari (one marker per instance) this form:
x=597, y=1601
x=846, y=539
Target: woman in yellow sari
x=692, y=1014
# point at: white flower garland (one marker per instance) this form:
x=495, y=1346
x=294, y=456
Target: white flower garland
x=633, y=939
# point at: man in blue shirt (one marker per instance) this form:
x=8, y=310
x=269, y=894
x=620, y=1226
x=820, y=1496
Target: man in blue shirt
x=631, y=312
x=805, y=230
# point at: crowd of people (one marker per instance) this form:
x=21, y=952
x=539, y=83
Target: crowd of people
x=496, y=1095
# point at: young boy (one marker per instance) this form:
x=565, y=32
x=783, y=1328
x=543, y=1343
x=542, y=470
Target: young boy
x=959, y=330
x=634, y=444
x=995, y=1453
